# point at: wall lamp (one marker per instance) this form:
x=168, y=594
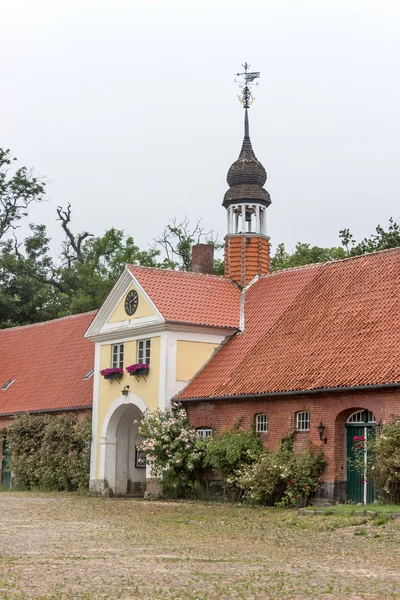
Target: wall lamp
x=321, y=428
x=125, y=391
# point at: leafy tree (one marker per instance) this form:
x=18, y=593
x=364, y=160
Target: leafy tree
x=383, y=239
x=17, y=193
x=304, y=254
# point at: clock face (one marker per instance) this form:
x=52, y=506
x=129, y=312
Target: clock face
x=131, y=302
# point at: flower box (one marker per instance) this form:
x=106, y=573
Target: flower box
x=138, y=369
x=112, y=373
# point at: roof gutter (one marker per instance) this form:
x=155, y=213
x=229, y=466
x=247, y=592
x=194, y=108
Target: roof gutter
x=348, y=388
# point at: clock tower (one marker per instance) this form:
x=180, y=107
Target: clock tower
x=246, y=243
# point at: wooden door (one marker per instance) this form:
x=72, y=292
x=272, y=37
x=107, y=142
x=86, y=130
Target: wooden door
x=358, y=487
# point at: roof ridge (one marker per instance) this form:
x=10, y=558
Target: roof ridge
x=328, y=262
x=90, y=312
x=189, y=273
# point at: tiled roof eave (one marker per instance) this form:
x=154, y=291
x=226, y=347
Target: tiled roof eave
x=46, y=410
x=338, y=389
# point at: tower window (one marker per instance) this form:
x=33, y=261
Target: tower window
x=261, y=423
x=303, y=421
x=143, y=352
x=117, y=360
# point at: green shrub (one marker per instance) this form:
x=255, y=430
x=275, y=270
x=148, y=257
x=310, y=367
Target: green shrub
x=50, y=452
x=282, y=478
x=232, y=450
x=385, y=470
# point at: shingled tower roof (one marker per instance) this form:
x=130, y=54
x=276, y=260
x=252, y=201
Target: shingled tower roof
x=246, y=176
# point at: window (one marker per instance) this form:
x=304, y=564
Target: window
x=303, y=421
x=140, y=458
x=88, y=375
x=7, y=384
x=261, y=423
x=143, y=352
x=362, y=416
x=204, y=432
x=117, y=356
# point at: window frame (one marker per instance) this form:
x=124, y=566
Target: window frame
x=262, y=423
x=145, y=351
x=117, y=358
x=204, y=432
x=300, y=420
x=88, y=375
x=7, y=384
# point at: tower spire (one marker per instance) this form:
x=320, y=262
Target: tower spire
x=246, y=200
x=246, y=124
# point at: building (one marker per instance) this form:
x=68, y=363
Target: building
x=45, y=368
x=171, y=321
x=313, y=349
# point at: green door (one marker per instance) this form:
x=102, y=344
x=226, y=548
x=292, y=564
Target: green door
x=358, y=488
x=5, y=467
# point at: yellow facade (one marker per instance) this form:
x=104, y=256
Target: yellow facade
x=190, y=357
x=143, y=310
x=147, y=389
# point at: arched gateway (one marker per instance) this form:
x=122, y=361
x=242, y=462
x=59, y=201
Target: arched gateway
x=119, y=466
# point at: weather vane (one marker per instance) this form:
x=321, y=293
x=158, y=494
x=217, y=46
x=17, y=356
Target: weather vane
x=246, y=97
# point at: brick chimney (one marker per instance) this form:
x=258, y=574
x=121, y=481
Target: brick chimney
x=203, y=258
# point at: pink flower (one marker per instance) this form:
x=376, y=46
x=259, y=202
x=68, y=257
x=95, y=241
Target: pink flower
x=362, y=438
x=355, y=438
x=111, y=370
x=136, y=367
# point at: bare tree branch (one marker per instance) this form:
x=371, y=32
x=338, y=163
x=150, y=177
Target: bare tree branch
x=178, y=238
x=72, y=247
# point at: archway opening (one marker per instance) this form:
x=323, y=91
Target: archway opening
x=124, y=469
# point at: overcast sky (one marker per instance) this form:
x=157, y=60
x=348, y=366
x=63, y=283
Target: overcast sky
x=130, y=108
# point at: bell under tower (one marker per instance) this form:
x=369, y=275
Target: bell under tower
x=246, y=243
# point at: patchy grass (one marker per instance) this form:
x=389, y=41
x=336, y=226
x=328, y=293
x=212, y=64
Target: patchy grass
x=376, y=507
x=60, y=547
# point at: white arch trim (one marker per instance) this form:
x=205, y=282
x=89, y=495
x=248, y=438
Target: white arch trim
x=131, y=398
x=108, y=439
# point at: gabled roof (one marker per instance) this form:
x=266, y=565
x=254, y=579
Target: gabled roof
x=48, y=362
x=192, y=298
x=322, y=326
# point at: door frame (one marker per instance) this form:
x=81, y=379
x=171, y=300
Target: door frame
x=366, y=419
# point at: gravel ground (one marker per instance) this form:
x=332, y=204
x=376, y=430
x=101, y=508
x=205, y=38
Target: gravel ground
x=63, y=547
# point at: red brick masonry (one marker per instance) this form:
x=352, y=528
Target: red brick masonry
x=332, y=408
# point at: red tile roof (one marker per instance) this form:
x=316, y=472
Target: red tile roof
x=48, y=362
x=191, y=297
x=326, y=325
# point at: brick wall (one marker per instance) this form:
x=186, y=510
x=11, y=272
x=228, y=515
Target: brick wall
x=333, y=409
x=246, y=256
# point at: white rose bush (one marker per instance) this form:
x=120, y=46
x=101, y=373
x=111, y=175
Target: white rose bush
x=173, y=450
